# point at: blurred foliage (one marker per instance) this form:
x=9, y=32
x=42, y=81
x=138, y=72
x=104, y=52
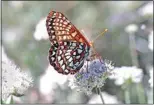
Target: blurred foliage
x=20, y=19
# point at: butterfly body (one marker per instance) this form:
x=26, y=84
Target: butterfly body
x=69, y=48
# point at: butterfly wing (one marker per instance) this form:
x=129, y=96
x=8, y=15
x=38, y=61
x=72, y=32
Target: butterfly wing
x=69, y=48
x=60, y=28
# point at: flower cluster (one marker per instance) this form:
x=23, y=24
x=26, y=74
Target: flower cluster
x=14, y=81
x=40, y=31
x=151, y=77
x=92, y=74
x=125, y=72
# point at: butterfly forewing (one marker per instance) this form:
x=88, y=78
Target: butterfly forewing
x=60, y=28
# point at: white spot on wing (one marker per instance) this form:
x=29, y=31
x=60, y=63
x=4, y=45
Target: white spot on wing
x=60, y=14
x=63, y=67
x=57, y=28
x=77, y=63
x=77, y=57
x=49, y=27
x=73, y=44
x=52, y=31
x=69, y=50
x=64, y=37
x=64, y=18
x=63, y=32
x=61, y=21
x=67, y=57
x=71, y=64
x=67, y=30
x=52, y=58
x=79, y=51
x=74, y=53
x=74, y=34
x=65, y=43
x=53, y=36
x=59, y=58
x=62, y=47
x=65, y=23
x=54, y=14
x=60, y=52
x=61, y=28
x=61, y=62
x=67, y=54
x=80, y=46
x=66, y=71
x=49, y=23
x=70, y=59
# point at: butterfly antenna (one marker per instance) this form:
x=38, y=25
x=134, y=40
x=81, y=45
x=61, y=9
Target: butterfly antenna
x=100, y=34
x=92, y=42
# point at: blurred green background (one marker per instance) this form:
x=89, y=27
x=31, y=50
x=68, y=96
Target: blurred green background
x=123, y=44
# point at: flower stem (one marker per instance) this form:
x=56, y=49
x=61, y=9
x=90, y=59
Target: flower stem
x=127, y=97
x=98, y=90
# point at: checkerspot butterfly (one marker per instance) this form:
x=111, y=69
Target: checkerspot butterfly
x=69, y=48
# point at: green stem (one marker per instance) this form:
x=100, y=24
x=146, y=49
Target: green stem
x=140, y=93
x=127, y=97
x=98, y=90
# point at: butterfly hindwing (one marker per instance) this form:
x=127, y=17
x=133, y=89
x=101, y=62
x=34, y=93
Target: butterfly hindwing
x=71, y=55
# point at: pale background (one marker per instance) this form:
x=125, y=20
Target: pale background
x=129, y=42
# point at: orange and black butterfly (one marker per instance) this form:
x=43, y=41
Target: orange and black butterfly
x=69, y=48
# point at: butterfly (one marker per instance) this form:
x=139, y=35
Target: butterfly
x=69, y=48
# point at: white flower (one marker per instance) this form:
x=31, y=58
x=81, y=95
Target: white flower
x=14, y=81
x=150, y=91
x=4, y=56
x=143, y=26
x=131, y=28
x=108, y=99
x=151, y=77
x=92, y=74
x=151, y=41
x=41, y=31
x=50, y=79
x=123, y=73
x=147, y=9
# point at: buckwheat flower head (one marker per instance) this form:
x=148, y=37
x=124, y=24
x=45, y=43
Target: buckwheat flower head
x=92, y=74
x=40, y=31
x=14, y=81
x=123, y=73
x=151, y=77
x=151, y=41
